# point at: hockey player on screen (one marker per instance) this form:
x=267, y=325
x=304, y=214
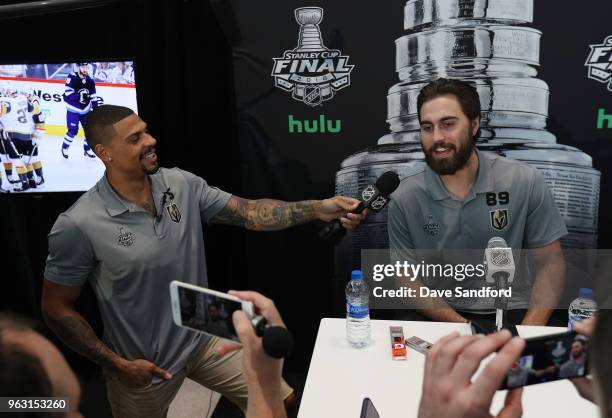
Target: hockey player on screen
x=36, y=120
x=17, y=134
x=80, y=97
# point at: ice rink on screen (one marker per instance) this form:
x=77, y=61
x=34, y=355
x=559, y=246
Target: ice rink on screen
x=78, y=173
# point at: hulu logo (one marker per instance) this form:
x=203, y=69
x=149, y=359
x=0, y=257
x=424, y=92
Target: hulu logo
x=320, y=126
x=602, y=117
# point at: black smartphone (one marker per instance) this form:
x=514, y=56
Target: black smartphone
x=550, y=358
x=368, y=410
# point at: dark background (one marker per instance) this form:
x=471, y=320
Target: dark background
x=187, y=94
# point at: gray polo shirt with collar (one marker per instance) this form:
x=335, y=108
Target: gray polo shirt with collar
x=509, y=199
x=130, y=258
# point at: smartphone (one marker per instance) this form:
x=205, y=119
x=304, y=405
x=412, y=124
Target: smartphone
x=204, y=310
x=549, y=358
x=368, y=410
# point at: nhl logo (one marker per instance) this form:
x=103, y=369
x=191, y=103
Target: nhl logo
x=174, y=212
x=379, y=203
x=368, y=192
x=499, y=258
x=311, y=72
x=312, y=95
x=499, y=218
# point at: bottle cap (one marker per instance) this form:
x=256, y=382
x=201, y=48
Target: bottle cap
x=585, y=293
x=356, y=275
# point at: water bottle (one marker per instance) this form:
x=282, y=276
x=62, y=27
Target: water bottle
x=581, y=308
x=357, y=311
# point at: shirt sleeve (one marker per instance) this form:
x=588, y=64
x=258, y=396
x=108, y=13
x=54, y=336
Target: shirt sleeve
x=71, y=258
x=210, y=199
x=544, y=222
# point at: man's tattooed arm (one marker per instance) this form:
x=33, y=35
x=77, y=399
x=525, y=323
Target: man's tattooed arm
x=267, y=214
x=77, y=334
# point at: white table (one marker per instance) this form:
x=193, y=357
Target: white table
x=340, y=376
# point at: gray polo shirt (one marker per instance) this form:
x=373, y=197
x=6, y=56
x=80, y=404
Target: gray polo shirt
x=131, y=257
x=509, y=199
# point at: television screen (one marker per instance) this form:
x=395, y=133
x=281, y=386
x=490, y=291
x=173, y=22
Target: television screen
x=42, y=111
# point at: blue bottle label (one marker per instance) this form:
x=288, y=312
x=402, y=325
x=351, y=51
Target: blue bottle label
x=357, y=311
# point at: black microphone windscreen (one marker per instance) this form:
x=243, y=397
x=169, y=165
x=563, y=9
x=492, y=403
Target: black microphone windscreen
x=277, y=342
x=387, y=183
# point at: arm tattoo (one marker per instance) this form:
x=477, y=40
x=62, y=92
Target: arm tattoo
x=77, y=334
x=266, y=214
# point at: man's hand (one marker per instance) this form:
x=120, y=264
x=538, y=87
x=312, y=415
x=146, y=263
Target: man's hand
x=259, y=368
x=138, y=373
x=584, y=385
x=448, y=390
x=338, y=207
x=262, y=372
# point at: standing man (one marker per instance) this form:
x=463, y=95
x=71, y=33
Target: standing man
x=80, y=97
x=131, y=234
x=463, y=197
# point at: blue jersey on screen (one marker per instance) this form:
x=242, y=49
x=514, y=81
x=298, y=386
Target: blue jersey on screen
x=79, y=93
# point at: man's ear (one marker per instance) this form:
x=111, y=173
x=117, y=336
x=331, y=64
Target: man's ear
x=475, y=125
x=102, y=152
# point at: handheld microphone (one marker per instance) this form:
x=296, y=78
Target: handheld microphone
x=277, y=341
x=499, y=261
x=374, y=196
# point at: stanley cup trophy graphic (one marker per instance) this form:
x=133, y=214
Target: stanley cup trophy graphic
x=310, y=38
x=479, y=41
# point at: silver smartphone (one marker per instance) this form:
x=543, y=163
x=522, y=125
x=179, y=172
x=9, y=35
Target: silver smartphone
x=204, y=310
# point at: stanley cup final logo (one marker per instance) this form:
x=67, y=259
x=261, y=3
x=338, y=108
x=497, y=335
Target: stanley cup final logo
x=311, y=71
x=599, y=62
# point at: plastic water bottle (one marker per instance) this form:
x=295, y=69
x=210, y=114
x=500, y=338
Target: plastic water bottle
x=357, y=311
x=581, y=308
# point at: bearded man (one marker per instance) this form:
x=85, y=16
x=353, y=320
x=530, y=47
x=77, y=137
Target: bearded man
x=461, y=198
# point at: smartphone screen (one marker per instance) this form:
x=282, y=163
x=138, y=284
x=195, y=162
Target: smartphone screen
x=549, y=358
x=208, y=313
x=368, y=410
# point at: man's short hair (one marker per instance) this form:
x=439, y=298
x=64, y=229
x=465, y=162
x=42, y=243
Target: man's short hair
x=99, y=125
x=21, y=373
x=600, y=358
x=466, y=95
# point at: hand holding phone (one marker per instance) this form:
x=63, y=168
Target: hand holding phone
x=206, y=310
x=209, y=311
x=259, y=367
x=549, y=358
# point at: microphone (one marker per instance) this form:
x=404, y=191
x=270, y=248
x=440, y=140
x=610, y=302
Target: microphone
x=277, y=342
x=500, y=267
x=499, y=261
x=374, y=196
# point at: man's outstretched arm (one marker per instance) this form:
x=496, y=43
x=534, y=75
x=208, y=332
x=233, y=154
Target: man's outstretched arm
x=274, y=215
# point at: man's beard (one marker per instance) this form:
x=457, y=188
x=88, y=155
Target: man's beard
x=457, y=161
x=151, y=170
x=578, y=354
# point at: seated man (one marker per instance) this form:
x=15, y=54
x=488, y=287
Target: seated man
x=462, y=198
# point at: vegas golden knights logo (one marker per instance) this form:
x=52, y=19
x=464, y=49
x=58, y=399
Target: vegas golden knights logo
x=499, y=218
x=174, y=212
